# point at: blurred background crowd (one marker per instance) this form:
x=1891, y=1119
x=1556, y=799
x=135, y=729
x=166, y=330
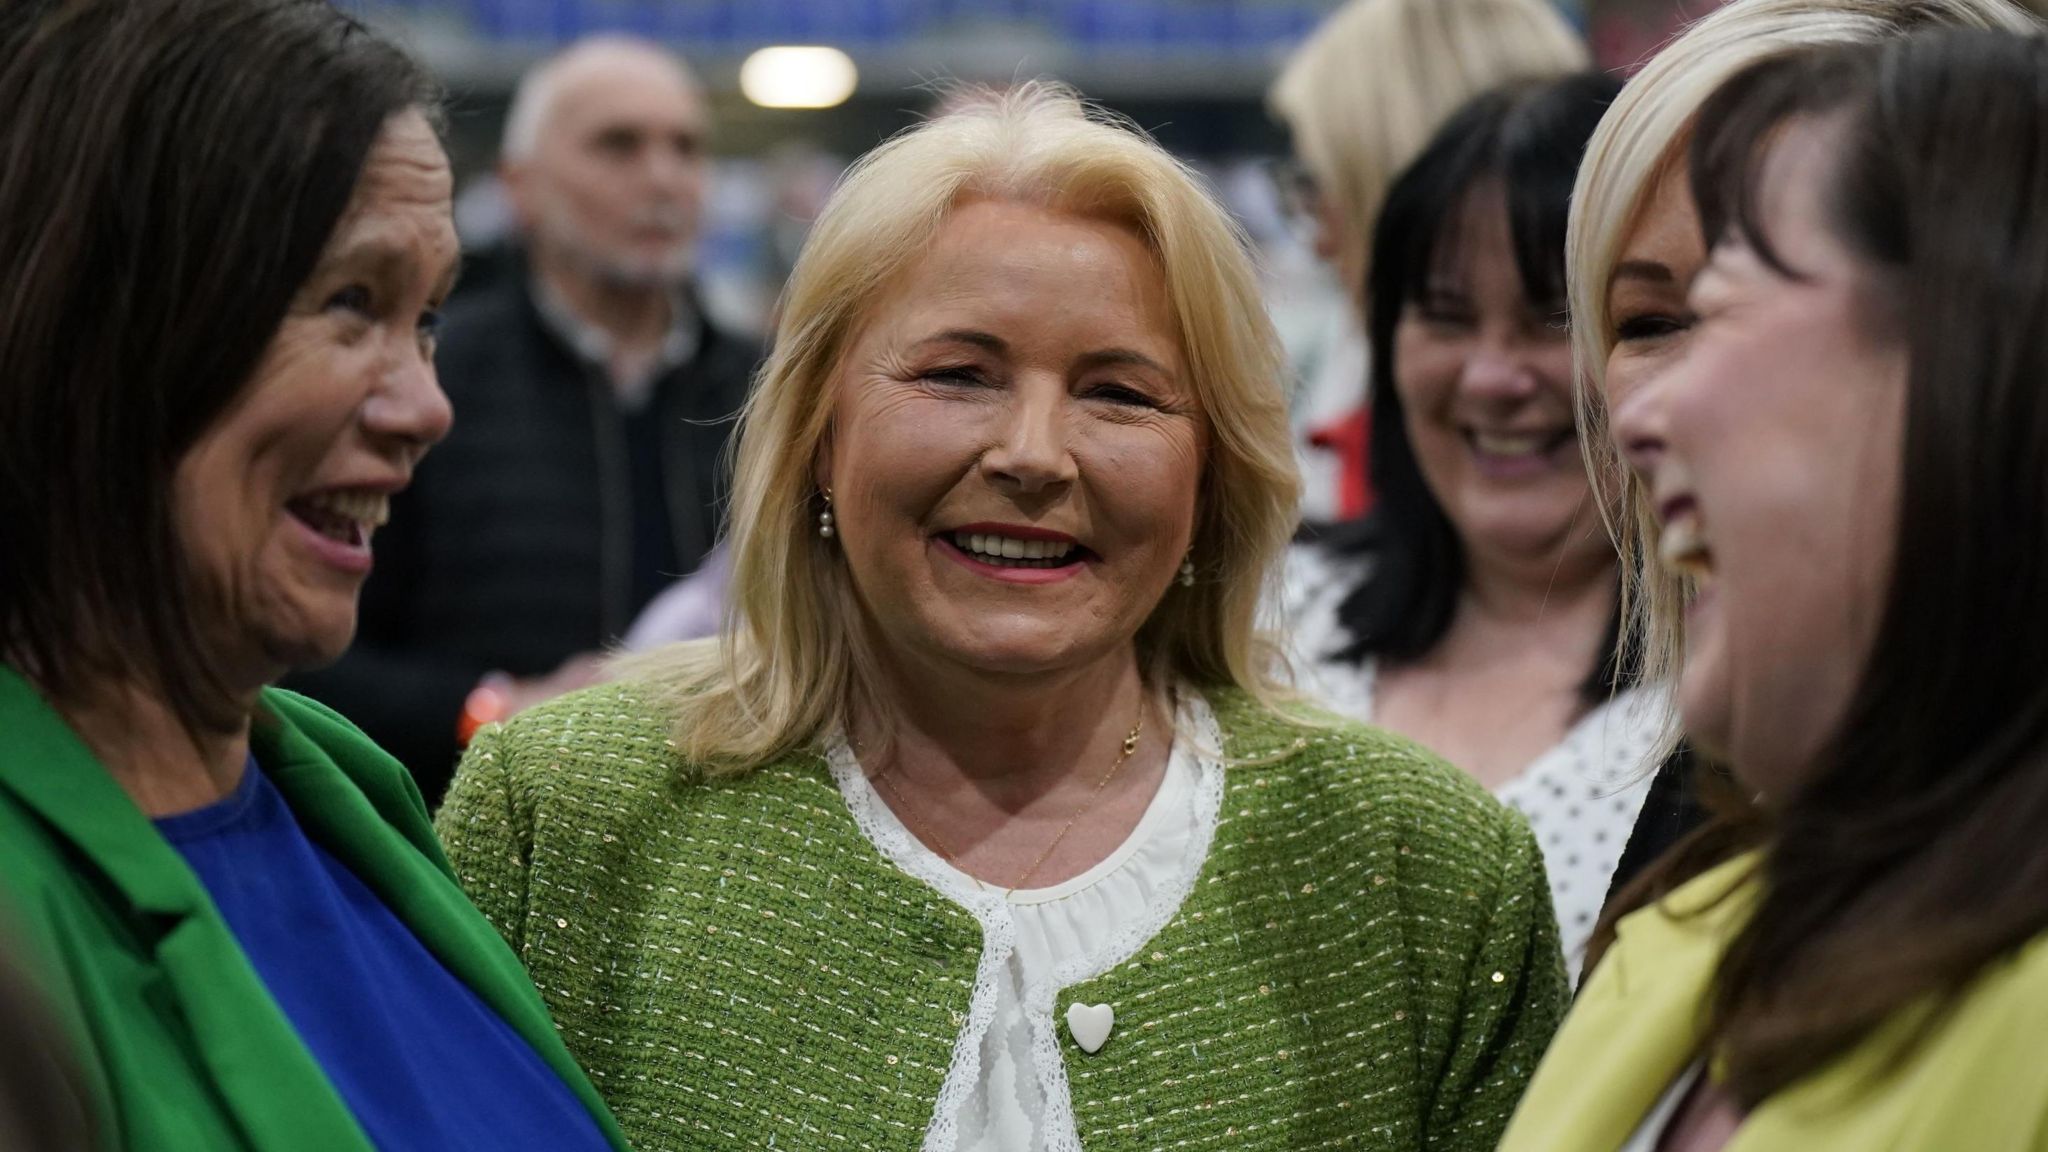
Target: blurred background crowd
x=1195, y=73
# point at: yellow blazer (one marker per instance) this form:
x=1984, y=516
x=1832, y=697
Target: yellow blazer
x=1979, y=1083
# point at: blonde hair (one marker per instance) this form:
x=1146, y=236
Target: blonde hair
x=794, y=655
x=1372, y=85
x=1640, y=138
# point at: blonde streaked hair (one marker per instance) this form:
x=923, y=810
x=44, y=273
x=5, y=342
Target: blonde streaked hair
x=1644, y=133
x=795, y=654
x=1379, y=77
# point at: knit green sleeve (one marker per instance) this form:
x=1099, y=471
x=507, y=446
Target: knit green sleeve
x=488, y=839
x=1514, y=995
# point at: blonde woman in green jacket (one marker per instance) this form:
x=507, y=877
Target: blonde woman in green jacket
x=985, y=825
x=224, y=230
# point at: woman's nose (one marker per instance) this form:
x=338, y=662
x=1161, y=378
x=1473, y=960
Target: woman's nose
x=1031, y=455
x=1500, y=369
x=408, y=406
x=1636, y=425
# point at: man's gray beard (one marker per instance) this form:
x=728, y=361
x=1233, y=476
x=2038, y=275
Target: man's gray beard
x=668, y=274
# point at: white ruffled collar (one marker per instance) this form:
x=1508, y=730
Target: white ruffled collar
x=1196, y=735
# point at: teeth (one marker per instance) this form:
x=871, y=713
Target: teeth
x=1682, y=547
x=370, y=509
x=993, y=547
x=1512, y=443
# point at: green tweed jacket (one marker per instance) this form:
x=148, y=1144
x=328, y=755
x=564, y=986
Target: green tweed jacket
x=1368, y=958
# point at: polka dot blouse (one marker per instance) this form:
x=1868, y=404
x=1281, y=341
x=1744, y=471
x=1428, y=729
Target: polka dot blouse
x=1581, y=796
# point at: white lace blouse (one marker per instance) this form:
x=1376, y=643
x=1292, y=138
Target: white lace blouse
x=1006, y=1090
x=1581, y=796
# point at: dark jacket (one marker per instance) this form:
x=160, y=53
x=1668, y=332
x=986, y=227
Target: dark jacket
x=182, y=1046
x=1671, y=812
x=512, y=550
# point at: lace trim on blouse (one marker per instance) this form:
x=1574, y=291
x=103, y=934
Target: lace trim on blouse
x=1149, y=888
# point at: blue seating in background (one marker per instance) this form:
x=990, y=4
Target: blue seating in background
x=1135, y=28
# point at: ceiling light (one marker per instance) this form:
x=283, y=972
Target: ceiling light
x=798, y=77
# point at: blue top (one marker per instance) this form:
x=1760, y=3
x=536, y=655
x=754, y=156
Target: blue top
x=414, y=1053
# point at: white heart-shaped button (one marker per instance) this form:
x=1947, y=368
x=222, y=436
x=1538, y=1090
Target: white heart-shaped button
x=1090, y=1024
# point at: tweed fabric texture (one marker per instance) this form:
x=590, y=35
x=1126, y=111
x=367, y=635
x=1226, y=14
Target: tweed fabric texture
x=1367, y=960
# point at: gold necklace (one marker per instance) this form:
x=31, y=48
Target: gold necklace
x=925, y=832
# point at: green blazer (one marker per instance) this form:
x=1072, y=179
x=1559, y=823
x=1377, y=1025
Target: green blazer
x=181, y=1042
x=1978, y=1083
x=1368, y=958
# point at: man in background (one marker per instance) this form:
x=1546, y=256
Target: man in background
x=593, y=400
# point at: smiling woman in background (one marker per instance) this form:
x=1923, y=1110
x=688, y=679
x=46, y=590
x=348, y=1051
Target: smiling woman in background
x=1845, y=457
x=1475, y=610
x=1360, y=98
x=223, y=269
x=983, y=825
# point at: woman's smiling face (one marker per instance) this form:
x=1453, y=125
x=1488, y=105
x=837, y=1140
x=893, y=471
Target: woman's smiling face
x=1769, y=440
x=277, y=501
x=1015, y=450
x=1484, y=378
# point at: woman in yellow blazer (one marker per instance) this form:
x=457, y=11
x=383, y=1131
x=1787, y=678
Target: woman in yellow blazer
x=1841, y=451
x=1979, y=1084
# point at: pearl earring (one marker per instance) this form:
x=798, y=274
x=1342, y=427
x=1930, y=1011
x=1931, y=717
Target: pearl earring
x=1187, y=571
x=825, y=528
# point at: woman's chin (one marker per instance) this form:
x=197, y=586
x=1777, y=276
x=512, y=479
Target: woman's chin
x=309, y=643
x=1535, y=526
x=1023, y=648
x=1015, y=660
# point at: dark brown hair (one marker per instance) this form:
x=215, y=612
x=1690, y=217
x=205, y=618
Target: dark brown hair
x=1912, y=858
x=169, y=173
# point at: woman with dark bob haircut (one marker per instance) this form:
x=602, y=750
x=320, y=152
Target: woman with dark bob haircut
x=1475, y=610
x=225, y=232
x=1845, y=460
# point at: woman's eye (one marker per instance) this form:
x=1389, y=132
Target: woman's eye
x=354, y=298
x=1651, y=326
x=1122, y=394
x=961, y=375
x=430, y=323
x=1447, y=316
